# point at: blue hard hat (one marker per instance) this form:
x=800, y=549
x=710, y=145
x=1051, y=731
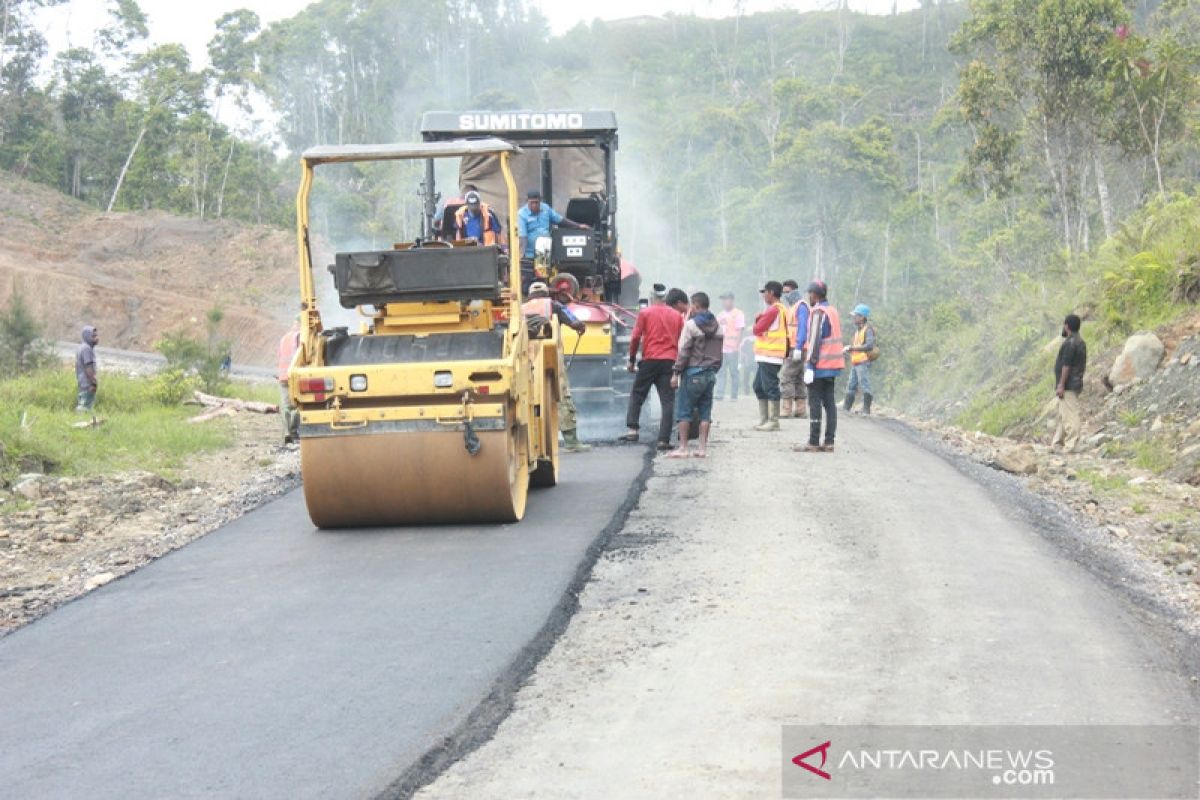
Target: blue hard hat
x=863, y=310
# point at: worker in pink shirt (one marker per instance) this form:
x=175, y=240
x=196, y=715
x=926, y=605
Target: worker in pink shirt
x=733, y=324
x=656, y=332
x=288, y=345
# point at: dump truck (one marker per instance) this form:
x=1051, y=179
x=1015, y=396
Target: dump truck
x=570, y=157
x=442, y=406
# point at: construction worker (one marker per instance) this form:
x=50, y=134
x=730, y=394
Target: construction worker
x=657, y=333
x=476, y=220
x=1069, y=367
x=792, y=394
x=694, y=375
x=860, y=349
x=824, y=361
x=288, y=344
x=770, y=351
x=733, y=324
x=538, y=310
x=534, y=220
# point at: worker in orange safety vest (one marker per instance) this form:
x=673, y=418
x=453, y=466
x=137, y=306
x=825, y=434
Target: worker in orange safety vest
x=825, y=361
x=538, y=310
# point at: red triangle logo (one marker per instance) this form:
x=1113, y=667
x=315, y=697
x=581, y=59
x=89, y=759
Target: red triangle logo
x=823, y=749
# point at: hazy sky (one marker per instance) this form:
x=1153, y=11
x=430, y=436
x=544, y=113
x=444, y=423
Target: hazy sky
x=192, y=22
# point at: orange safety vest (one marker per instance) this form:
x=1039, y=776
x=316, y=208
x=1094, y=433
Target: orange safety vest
x=538, y=307
x=460, y=223
x=830, y=355
x=792, y=323
x=772, y=346
x=860, y=339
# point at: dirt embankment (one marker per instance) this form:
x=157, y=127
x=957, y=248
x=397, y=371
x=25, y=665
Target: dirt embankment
x=140, y=275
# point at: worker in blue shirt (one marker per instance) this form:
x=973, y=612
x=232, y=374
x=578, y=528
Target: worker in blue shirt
x=534, y=220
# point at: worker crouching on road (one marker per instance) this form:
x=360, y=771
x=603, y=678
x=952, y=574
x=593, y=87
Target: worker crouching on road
x=538, y=310
x=1069, y=368
x=770, y=351
x=657, y=333
x=694, y=376
x=825, y=362
x=862, y=351
x=792, y=393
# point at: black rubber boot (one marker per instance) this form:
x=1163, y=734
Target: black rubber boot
x=849, y=404
x=867, y=398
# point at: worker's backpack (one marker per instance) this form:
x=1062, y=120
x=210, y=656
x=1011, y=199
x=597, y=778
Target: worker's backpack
x=873, y=353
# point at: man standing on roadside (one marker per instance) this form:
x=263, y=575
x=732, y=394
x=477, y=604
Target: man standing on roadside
x=825, y=361
x=695, y=374
x=770, y=350
x=657, y=332
x=85, y=370
x=288, y=344
x=859, y=350
x=792, y=393
x=733, y=323
x=1069, y=368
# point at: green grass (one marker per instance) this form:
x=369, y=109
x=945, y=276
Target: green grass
x=1103, y=483
x=995, y=417
x=139, y=432
x=1155, y=455
x=1131, y=419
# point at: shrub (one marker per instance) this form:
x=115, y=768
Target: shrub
x=21, y=345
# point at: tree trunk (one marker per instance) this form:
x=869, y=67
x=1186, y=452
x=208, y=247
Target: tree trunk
x=225, y=179
x=125, y=168
x=1106, y=212
x=887, y=257
x=4, y=32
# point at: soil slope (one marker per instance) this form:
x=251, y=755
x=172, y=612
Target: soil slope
x=139, y=275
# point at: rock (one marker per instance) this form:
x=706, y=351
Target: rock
x=1175, y=549
x=1138, y=360
x=1190, y=449
x=1157, y=425
x=1139, y=480
x=1185, y=567
x=1098, y=439
x=1185, y=359
x=65, y=537
x=96, y=581
x=1194, y=428
x=29, y=486
x=1017, y=460
x=1118, y=531
x=1163, y=526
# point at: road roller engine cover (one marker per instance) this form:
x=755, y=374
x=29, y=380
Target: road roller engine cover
x=441, y=407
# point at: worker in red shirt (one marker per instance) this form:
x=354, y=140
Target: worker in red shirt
x=657, y=332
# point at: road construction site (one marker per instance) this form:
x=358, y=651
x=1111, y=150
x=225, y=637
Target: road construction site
x=731, y=595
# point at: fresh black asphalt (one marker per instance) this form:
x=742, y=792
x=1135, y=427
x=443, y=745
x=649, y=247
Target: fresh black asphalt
x=273, y=660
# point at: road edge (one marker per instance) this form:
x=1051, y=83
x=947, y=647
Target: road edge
x=1079, y=540
x=482, y=722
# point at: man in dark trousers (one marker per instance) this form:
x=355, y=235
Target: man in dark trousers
x=825, y=360
x=657, y=332
x=1069, y=368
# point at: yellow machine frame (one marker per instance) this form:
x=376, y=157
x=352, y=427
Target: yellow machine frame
x=514, y=396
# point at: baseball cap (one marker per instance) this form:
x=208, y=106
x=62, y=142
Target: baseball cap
x=727, y=296
x=472, y=198
x=533, y=194
x=538, y=287
x=775, y=287
x=863, y=310
x=818, y=288
x=660, y=290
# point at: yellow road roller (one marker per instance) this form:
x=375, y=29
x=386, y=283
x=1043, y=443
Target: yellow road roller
x=442, y=407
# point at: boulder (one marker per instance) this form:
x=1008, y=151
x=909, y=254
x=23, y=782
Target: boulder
x=1017, y=460
x=29, y=486
x=1138, y=360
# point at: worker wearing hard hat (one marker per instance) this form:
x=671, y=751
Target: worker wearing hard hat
x=863, y=351
x=539, y=309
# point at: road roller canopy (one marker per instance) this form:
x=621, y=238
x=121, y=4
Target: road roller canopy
x=343, y=153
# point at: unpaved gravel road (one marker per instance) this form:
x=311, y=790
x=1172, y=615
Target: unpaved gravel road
x=881, y=584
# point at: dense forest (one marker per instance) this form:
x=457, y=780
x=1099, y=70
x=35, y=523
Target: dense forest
x=973, y=171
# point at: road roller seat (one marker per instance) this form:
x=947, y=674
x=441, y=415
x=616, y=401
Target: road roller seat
x=427, y=273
